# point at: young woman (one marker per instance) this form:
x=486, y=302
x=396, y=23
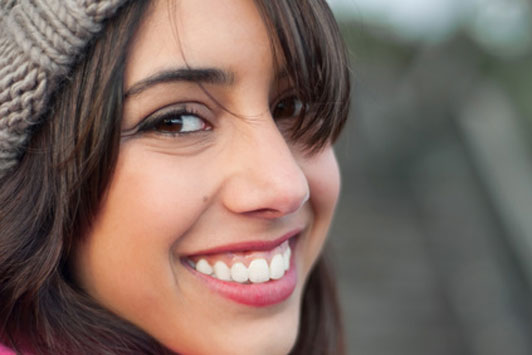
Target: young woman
x=167, y=178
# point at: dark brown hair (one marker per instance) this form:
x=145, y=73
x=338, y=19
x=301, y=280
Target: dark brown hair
x=49, y=200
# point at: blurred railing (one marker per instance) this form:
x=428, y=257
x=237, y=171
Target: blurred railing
x=433, y=236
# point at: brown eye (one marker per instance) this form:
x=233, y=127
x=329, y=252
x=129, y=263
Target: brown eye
x=172, y=124
x=179, y=123
x=287, y=108
x=176, y=120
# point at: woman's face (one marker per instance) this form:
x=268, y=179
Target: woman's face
x=204, y=198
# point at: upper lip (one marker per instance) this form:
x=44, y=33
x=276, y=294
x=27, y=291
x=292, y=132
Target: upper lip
x=251, y=245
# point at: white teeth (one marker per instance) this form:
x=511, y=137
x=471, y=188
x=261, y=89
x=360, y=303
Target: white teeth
x=286, y=258
x=277, y=267
x=222, y=271
x=239, y=273
x=259, y=271
x=190, y=263
x=204, y=267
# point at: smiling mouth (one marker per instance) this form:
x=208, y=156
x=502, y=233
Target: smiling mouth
x=249, y=276
x=245, y=267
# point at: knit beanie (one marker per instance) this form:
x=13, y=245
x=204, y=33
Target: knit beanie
x=40, y=40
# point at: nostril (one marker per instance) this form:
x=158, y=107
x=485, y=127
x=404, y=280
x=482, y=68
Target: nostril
x=269, y=213
x=264, y=213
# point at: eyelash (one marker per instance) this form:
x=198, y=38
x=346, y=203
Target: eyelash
x=165, y=116
x=151, y=123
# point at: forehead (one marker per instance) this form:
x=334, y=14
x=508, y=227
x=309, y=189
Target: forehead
x=230, y=35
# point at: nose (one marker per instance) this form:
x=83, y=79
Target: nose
x=266, y=180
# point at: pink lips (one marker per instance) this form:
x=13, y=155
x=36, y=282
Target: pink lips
x=256, y=295
x=249, y=246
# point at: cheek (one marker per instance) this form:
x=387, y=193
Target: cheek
x=125, y=261
x=324, y=182
x=155, y=198
x=152, y=196
x=323, y=177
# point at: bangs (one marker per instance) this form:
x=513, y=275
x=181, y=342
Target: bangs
x=305, y=37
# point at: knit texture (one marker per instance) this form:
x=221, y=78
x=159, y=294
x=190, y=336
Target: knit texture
x=40, y=40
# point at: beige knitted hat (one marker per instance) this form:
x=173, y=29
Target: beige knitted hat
x=39, y=41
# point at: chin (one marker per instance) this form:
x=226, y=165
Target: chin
x=271, y=331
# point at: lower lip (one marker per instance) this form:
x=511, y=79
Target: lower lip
x=256, y=295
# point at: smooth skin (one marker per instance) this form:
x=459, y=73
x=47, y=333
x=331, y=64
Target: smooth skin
x=204, y=179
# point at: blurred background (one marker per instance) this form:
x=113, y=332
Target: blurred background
x=433, y=234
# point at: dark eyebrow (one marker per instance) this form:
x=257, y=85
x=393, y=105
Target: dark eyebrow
x=205, y=76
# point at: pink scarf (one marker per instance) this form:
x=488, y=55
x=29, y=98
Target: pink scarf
x=6, y=351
